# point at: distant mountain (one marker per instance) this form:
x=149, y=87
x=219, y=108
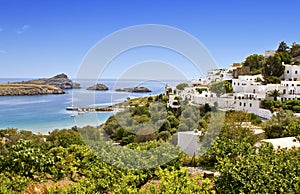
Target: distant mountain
x=61, y=80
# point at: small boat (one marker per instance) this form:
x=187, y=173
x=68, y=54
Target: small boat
x=72, y=116
x=71, y=108
x=80, y=113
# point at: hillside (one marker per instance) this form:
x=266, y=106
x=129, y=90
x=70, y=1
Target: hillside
x=28, y=89
x=61, y=80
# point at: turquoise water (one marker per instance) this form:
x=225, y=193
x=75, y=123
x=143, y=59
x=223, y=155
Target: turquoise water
x=42, y=114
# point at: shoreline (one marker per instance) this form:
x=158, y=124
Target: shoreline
x=91, y=109
x=48, y=112
x=44, y=129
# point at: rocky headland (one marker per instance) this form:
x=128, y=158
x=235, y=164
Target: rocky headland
x=98, y=87
x=61, y=80
x=28, y=89
x=134, y=89
x=53, y=85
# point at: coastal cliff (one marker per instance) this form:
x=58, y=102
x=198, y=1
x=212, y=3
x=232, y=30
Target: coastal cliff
x=53, y=85
x=28, y=89
x=61, y=80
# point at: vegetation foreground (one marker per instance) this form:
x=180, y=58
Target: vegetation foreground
x=80, y=160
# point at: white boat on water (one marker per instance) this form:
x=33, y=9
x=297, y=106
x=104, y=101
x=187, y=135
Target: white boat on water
x=80, y=113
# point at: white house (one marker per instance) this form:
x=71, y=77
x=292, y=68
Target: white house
x=291, y=72
x=242, y=83
x=199, y=82
x=248, y=91
x=172, y=102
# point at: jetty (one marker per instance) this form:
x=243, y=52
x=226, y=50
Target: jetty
x=91, y=109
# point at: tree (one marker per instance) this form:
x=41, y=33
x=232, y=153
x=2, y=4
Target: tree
x=295, y=50
x=285, y=57
x=274, y=94
x=275, y=127
x=65, y=138
x=273, y=67
x=221, y=88
x=181, y=86
x=272, y=80
x=177, y=181
x=293, y=129
x=145, y=134
x=254, y=62
x=164, y=135
x=259, y=170
x=283, y=47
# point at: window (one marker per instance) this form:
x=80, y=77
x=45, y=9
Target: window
x=296, y=72
x=240, y=104
x=287, y=71
x=244, y=104
x=284, y=91
x=254, y=91
x=250, y=104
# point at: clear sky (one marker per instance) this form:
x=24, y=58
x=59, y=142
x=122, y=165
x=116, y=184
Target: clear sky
x=40, y=38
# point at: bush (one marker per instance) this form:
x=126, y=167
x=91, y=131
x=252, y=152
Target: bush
x=181, y=86
x=272, y=80
x=296, y=108
x=275, y=127
x=266, y=172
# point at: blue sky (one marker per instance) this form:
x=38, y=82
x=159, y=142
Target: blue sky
x=43, y=38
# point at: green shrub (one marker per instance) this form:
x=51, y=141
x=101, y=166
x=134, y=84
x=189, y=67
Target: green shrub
x=181, y=86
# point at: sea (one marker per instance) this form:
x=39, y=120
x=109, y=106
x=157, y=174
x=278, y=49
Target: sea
x=45, y=113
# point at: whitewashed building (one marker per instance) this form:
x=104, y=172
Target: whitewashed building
x=173, y=102
x=291, y=72
x=248, y=90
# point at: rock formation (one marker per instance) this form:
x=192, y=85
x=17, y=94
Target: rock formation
x=61, y=80
x=28, y=89
x=99, y=87
x=134, y=89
